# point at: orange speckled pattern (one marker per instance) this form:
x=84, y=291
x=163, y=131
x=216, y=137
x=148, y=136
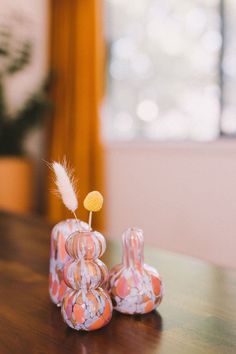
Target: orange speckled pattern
x=87, y=305
x=134, y=286
x=122, y=287
x=59, y=257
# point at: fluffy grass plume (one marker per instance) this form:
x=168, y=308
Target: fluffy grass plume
x=65, y=185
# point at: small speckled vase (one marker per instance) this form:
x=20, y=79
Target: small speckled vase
x=135, y=287
x=59, y=257
x=86, y=304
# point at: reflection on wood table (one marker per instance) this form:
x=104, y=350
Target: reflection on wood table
x=198, y=313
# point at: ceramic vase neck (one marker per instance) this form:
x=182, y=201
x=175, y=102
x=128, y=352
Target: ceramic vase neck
x=133, y=248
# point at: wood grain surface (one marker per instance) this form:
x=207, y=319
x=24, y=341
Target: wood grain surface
x=197, y=316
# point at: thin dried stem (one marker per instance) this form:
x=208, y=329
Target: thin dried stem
x=90, y=220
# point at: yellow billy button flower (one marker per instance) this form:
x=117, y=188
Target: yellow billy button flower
x=93, y=201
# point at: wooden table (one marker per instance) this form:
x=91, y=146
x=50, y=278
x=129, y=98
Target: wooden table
x=198, y=313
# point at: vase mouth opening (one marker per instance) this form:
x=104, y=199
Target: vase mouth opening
x=134, y=229
x=81, y=232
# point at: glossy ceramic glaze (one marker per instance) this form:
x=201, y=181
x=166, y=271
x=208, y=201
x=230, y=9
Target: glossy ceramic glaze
x=134, y=286
x=86, y=305
x=59, y=257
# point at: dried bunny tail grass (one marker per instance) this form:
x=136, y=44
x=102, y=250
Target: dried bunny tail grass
x=65, y=185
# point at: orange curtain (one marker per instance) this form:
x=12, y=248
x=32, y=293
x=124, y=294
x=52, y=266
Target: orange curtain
x=77, y=62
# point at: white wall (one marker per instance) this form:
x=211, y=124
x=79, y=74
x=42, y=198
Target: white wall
x=183, y=195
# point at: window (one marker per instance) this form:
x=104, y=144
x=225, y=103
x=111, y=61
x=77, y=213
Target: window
x=172, y=69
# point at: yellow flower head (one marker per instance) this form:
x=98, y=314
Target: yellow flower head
x=93, y=201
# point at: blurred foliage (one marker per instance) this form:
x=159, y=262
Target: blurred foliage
x=14, y=57
x=13, y=130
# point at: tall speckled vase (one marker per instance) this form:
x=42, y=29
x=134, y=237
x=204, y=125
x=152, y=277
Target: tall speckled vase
x=86, y=305
x=134, y=286
x=59, y=257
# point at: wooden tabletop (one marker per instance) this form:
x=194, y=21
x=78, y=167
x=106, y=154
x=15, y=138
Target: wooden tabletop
x=197, y=316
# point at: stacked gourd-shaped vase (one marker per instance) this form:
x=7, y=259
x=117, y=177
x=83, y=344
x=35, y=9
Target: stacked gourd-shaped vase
x=86, y=305
x=59, y=257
